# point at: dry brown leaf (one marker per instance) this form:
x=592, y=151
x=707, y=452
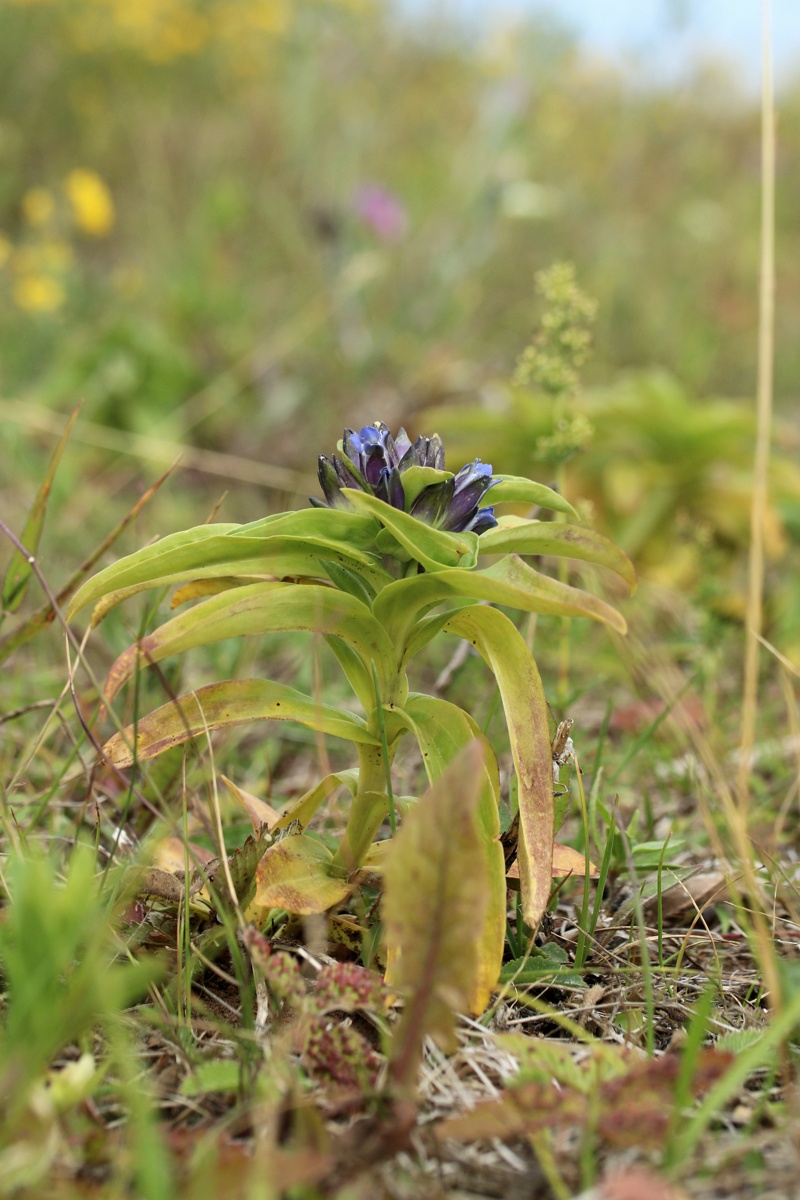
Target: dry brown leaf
x=566, y=861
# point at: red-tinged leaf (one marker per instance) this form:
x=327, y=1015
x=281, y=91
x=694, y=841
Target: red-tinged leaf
x=436, y=896
x=636, y=1107
x=346, y=987
x=19, y=569
x=295, y=874
x=334, y=1053
x=527, y=1108
x=259, y=812
x=279, y=970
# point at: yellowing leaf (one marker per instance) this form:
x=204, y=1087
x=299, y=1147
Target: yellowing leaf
x=259, y=812
x=436, y=896
x=506, y=653
x=295, y=874
x=221, y=705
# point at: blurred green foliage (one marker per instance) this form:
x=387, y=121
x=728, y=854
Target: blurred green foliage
x=183, y=191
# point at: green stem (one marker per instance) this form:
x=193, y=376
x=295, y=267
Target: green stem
x=368, y=808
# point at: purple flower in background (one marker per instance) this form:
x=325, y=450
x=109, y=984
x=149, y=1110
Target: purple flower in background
x=381, y=210
x=373, y=461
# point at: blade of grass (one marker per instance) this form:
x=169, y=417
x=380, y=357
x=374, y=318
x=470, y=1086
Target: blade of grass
x=766, y=354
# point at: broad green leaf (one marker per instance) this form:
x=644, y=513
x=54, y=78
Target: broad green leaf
x=415, y=479
x=19, y=569
x=433, y=548
x=214, y=551
x=443, y=730
x=507, y=655
x=295, y=874
x=510, y=581
x=515, y=489
x=566, y=541
x=221, y=705
x=306, y=805
x=436, y=893
x=329, y=524
x=256, y=609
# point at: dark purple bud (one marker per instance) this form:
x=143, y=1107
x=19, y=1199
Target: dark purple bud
x=373, y=464
x=432, y=504
x=397, y=496
x=430, y=452
x=348, y=475
x=484, y=519
x=330, y=482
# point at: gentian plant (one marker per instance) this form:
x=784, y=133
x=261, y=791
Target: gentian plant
x=400, y=551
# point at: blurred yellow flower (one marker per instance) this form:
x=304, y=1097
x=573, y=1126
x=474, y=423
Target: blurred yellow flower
x=38, y=293
x=5, y=249
x=38, y=206
x=92, y=205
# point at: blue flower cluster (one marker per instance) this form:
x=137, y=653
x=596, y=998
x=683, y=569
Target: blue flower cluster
x=373, y=461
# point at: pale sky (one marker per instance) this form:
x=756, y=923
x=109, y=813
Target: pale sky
x=662, y=34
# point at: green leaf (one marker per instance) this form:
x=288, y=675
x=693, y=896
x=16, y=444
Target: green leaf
x=214, y=1075
x=415, y=479
x=515, y=489
x=548, y=965
x=19, y=569
x=346, y=580
x=433, y=548
x=510, y=581
x=357, y=674
x=507, y=655
x=221, y=705
x=213, y=551
x=567, y=541
x=295, y=874
x=305, y=807
x=442, y=731
x=256, y=609
x=329, y=524
x=436, y=892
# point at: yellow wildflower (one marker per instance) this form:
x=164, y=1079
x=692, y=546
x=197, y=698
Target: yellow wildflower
x=38, y=293
x=38, y=206
x=92, y=205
